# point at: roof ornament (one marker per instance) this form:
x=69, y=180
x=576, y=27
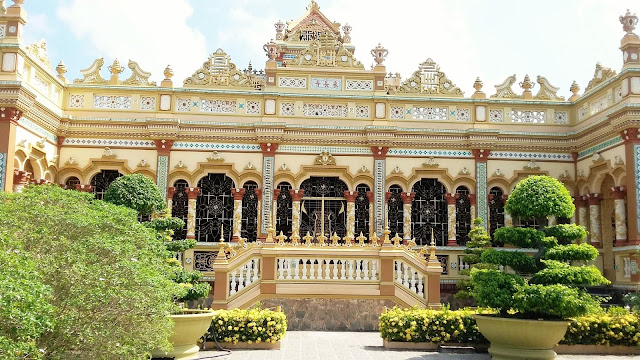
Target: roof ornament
x=280, y=26
x=138, y=76
x=600, y=75
x=91, y=75
x=547, y=91
x=629, y=22
x=347, y=33
x=272, y=50
x=527, y=85
x=379, y=53
x=429, y=80
x=39, y=51
x=504, y=90
x=61, y=69
x=479, y=94
x=218, y=70
x=575, y=88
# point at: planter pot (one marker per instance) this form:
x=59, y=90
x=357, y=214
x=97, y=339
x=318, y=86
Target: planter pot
x=521, y=339
x=187, y=330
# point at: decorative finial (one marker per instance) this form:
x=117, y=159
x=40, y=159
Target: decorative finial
x=168, y=72
x=433, y=259
x=478, y=84
x=272, y=50
x=221, y=233
x=379, y=53
x=347, y=33
x=61, y=69
x=116, y=68
x=575, y=88
x=18, y=2
x=361, y=239
x=479, y=94
x=527, y=85
x=387, y=241
x=629, y=22
x=307, y=239
x=279, y=30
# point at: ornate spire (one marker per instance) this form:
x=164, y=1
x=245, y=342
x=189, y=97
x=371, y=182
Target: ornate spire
x=479, y=94
x=347, y=33
x=629, y=22
x=527, y=85
x=61, y=69
x=379, y=54
x=575, y=88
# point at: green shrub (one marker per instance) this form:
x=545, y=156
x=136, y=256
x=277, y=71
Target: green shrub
x=607, y=328
x=495, y=289
x=561, y=273
x=479, y=241
x=252, y=325
x=108, y=276
x=540, y=197
x=566, y=233
x=518, y=237
x=580, y=252
x=136, y=192
x=614, y=327
x=553, y=302
x=426, y=325
x=518, y=261
x=633, y=300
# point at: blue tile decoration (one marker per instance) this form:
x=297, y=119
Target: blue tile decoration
x=603, y=145
x=636, y=171
x=530, y=155
x=268, y=163
x=305, y=149
x=3, y=169
x=162, y=175
x=430, y=152
x=109, y=142
x=215, y=146
x=481, y=192
x=37, y=129
x=379, y=174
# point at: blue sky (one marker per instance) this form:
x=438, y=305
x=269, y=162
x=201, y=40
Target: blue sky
x=561, y=40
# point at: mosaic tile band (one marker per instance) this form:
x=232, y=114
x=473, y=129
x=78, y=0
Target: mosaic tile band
x=109, y=142
x=429, y=152
x=162, y=175
x=599, y=147
x=481, y=191
x=3, y=169
x=636, y=171
x=530, y=155
x=267, y=191
x=37, y=129
x=379, y=186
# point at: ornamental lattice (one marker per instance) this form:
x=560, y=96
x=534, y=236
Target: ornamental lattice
x=396, y=211
x=284, y=209
x=463, y=215
x=180, y=207
x=214, y=207
x=250, y=212
x=496, y=210
x=429, y=212
x=102, y=180
x=330, y=191
x=362, y=210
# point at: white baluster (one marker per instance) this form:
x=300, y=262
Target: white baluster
x=405, y=275
x=366, y=270
x=241, y=279
x=304, y=269
x=420, y=284
x=343, y=270
x=248, y=269
x=313, y=270
x=256, y=267
x=374, y=275
x=281, y=268
x=398, y=271
x=296, y=271
x=288, y=268
x=335, y=270
x=233, y=283
x=413, y=282
x=351, y=264
x=358, y=268
x=326, y=269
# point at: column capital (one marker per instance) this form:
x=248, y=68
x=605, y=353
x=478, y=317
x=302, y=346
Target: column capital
x=387, y=196
x=296, y=195
x=630, y=135
x=505, y=197
x=472, y=199
x=268, y=149
x=238, y=193
x=580, y=201
x=192, y=192
x=480, y=155
x=379, y=152
x=371, y=196
x=619, y=192
x=163, y=146
x=21, y=177
x=276, y=193
x=10, y=114
x=84, y=188
x=350, y=195
x=407, y=197
x=258, y=192
x=451, y=198
x=594, y=199
x=170, y=192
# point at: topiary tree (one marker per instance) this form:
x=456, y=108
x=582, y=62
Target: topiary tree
x=142, y=195
x=479, y=242
x=554, y=289
x=93, y=266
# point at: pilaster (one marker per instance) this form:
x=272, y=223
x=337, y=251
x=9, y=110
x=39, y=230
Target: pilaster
x=594, y=217
x=163, y=148
x=481, y=156
x=619, y=195
x=632, y=163
x=8, y=122
x=451, y=213
x=407, y=198
x=351, y=212
x=268, y=163
x=296, y=197
x=508, y=220
x=238, y=194
x=379, y=186
x=192, y=195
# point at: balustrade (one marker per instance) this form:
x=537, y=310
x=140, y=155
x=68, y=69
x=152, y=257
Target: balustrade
x=319, y=269
x=409, y=277
x=243, y=276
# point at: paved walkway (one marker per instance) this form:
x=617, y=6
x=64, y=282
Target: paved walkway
x=312, y=345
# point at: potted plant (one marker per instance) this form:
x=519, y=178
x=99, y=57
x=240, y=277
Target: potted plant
x=537, y=294
x=141, y=194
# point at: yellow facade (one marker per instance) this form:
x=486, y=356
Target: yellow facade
x=315, y=112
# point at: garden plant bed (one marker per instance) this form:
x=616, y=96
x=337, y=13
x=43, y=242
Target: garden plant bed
x=211, y=345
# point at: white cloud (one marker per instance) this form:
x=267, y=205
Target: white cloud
x=154, y=33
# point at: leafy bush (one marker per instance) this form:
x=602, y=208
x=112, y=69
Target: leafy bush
x=633, y=300
x=552, y=293
x=107, y=273
x=613, y=327
x=580, y=252
x=25, y=309
x=479, y=241
x=566, y=233
x=136, y=192
x=426, y=325
x=253, y=325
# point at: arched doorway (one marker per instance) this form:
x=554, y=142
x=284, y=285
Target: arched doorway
x=362, y=211
x=180, y=207
x=284, y=218
x=102, y=180
x=214, y=208
x=323, y=207
x=250, y=211
x=463, y=215
x=496, y=211
x=429, y=212
x=608, y=227
x=395, y=210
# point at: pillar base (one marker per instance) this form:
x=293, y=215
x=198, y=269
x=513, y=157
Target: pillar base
x=452, y=242
x=596, y=244
x=620, y=243
x=234, y=238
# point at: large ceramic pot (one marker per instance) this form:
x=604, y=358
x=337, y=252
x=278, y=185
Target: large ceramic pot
x=188, y=328
x=521, y=339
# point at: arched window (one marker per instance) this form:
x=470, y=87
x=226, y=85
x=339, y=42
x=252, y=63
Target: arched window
x=395, y=211
x=71, y=183
x=102, y=180
x=362, y=210
x=250, y=212
x=323, y=207
x=496, y=210
x=429, y=212
x=284, y=213
x=214, y=207
x=180, y=207
x=463, y=215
